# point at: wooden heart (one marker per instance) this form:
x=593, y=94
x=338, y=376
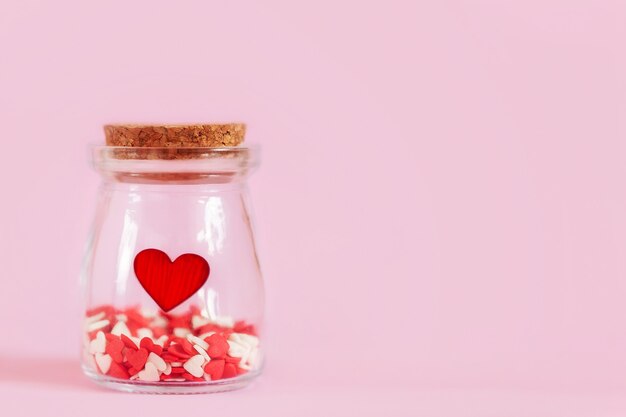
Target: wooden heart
x=170, y=283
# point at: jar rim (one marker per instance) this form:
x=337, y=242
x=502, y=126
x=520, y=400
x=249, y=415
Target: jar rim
x=175, y=164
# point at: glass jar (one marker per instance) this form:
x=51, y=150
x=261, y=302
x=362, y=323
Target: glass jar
x=174, y=294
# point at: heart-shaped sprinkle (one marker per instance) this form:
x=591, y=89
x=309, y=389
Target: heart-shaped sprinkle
x=187, y=346
x=128, y=342
x=237, y=350
x=204, y=336
x=137, y=358
x=169, y=358
x=230, y=370
x=243, y=327
x=161, y=340
x=91, y=327
x=199, y=321
x=181, y=331
x=170, y=283
x=120, y=328
x=135, y=318
x=215, y=369
x=244, y=339
x=149, y=345
x=197, y=341
x=168, y=369
x=114, y=348
x=189, y=377
x=150, y=373
x=202, y=352
x=231, y=359
x=224, y=321
x=157, y=361
x=98, y=345
x=211, y=327
x=118, y=371
x=159, y=321
x=218, y=346
x=182, y=322
x=103, y=361
x=194, y=366
x=178, y=351
x=144, y=332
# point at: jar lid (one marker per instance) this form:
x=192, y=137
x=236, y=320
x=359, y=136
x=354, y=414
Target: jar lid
x=176, y=136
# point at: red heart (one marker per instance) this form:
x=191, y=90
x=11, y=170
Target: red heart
x=215, y=368
x=137, y=358
x=170, y=283
x=218, y=346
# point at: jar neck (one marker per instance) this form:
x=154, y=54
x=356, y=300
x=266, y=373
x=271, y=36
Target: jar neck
x=171, y=187
x=175, y=165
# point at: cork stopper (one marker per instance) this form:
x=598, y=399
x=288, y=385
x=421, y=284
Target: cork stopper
x=175, y=136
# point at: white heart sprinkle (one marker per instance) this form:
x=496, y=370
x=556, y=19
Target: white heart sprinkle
x=159, y=321
x=181, y=331
x=168, y=369
x=98, y=344
x=150, y=373
x=97, y=325
x=249, y=340
x=144, y=332
x=157, y=361
x=202, y=352
x=120, y=328
x=121, y=317
x=205, y=335
x=147, y=313
x=196, y=340
x=251, y=360
x=194, y=366
x=161, y=340
x=224, y=321
x=237, y=350
x=199, y=321
x=103, y=361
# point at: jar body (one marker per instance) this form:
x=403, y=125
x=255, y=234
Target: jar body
x=173, y=288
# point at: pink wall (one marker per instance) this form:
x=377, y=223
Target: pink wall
x=441, y=203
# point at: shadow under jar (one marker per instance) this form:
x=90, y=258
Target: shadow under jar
x=174, y=293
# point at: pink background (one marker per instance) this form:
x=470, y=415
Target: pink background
x=441, y=209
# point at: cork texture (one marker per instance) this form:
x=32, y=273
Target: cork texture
x=175, y=136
